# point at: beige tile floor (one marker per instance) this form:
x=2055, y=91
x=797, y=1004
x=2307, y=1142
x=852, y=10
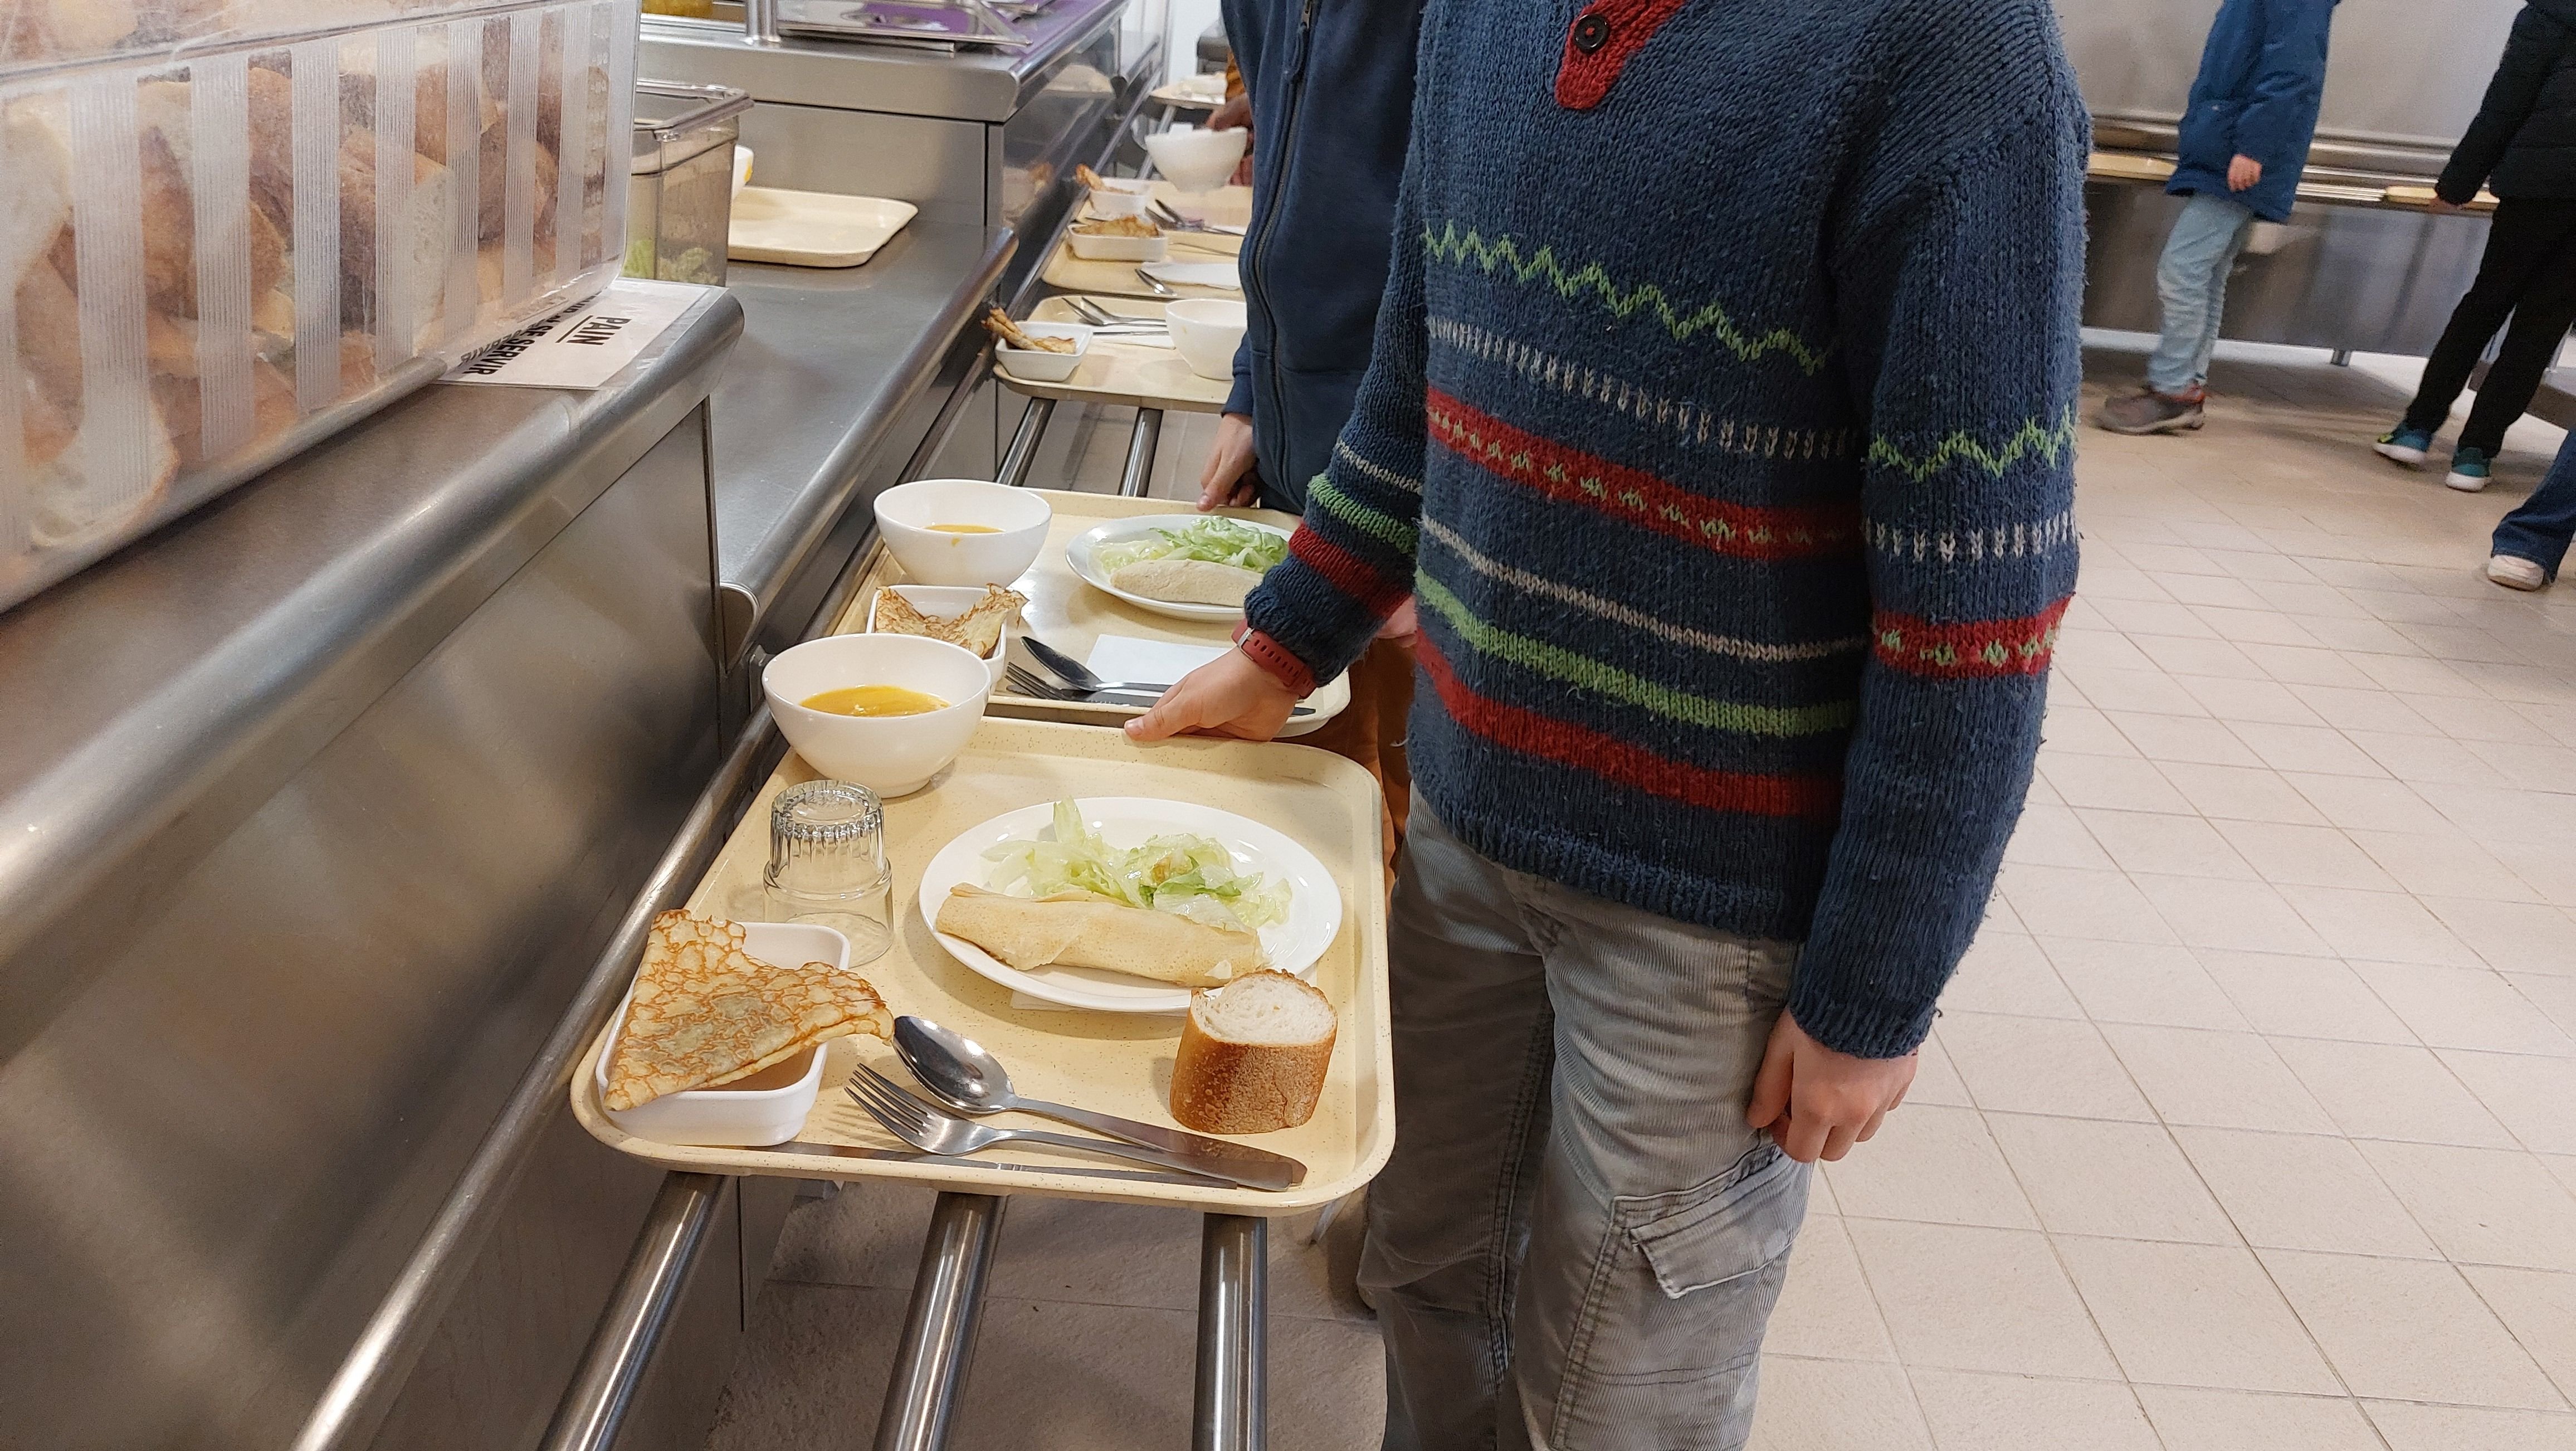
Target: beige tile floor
x=2249, y=1125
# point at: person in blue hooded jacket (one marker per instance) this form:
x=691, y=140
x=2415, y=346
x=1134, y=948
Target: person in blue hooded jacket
x=2244, y=142
x=1329, y=86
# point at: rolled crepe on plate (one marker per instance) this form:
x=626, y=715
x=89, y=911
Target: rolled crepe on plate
x=1085, y=929
x=1187, y=581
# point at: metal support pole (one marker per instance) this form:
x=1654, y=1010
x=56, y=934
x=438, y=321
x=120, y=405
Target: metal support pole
x=1024, y=442
x=2342, y=358
x=639, y=1310
x=760, y=21
x=1232, y=1411
x=939, y=1328
x=1140, y=454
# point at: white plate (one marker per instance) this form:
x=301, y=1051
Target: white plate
x=811, y=228
x=1083, y=555
x=1216, y=276
x=1314, y=904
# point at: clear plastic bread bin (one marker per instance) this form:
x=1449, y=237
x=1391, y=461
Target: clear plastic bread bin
x=232, y=227
x=679, y=206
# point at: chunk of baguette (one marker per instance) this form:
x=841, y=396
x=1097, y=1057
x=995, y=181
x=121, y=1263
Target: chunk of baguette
x=1253, y=1055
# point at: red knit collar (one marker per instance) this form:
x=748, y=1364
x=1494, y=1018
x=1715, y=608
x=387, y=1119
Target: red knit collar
x=1598, y=44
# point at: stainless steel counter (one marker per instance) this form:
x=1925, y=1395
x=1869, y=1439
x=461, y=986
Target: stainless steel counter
x=842, y=379
x=315, y=808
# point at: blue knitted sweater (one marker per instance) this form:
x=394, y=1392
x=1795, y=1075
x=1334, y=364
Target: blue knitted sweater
x=1721, y=419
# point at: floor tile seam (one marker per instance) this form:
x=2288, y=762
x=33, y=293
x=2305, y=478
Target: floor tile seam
x=2153, y=1434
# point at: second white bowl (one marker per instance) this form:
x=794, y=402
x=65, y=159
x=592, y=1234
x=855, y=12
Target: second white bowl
x=892, y=755
x=1018, y=518
x=1207, y=331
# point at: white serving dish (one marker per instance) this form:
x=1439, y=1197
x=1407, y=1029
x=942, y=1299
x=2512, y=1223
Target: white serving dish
x=891, y=755
x=812, y=228
x=1223, y=276
x=1197, y=161
x=1206, y=331
x=736, y=1114
x=1121, y=197
x=1037, y=365
x=741, y=175
x=1314, y=905
x=947, y=602
x=1082, y=555
x=931, y=556
x=1119, y=249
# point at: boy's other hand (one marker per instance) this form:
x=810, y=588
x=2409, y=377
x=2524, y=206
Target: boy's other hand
x=1816, y=1102
x=2244, y=174
x=1228, y=481
x=1228, y=696
x=1234, y=115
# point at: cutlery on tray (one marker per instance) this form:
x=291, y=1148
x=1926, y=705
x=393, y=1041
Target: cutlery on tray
x=1080, y=676
x=1155, y=284
x=965, y=1076
x=935, y=1131
x=1172, y=221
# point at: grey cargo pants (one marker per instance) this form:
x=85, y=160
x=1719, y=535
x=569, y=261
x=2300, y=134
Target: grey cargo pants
x=1578, y=1240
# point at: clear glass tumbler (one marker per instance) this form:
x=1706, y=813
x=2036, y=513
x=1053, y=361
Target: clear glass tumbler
x=827, y=864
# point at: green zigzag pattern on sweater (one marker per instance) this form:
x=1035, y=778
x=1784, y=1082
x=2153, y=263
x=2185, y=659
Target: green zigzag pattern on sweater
x=1449, y=246
x=2034, y=440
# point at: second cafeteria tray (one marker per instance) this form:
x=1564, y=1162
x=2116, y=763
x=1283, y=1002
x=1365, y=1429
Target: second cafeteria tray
x=1117, y=1063
x=1072, y=616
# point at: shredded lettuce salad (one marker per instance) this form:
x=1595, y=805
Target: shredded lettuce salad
x=1190, y=875
x=1218, y=541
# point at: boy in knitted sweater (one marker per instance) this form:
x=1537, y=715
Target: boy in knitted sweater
x=1721, y=420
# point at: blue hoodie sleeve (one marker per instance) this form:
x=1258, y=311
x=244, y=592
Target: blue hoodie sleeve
x=2280, y=114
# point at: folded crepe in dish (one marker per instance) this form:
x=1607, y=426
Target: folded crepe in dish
x=705, y=1012
x=978, y=630
x=1187, y=581
x=1085, y=929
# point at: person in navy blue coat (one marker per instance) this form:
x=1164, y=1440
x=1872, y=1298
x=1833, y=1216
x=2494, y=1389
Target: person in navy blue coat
x=1329, y=87
x=2244, y=142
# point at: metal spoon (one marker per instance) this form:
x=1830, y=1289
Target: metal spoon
x=959, y=1072
x=1159, y=287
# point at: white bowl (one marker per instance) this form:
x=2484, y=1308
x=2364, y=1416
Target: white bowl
x=1037, y=365
x=770, y=1106
x=1196, y=161
x=892, y=755
x=741, y=167
x=947, y=602
x=1207, y=331
x=1120, y=249
x=931, y=556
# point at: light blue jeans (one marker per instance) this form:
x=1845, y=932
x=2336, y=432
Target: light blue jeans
x=1578, y=1241
x=2191, y=282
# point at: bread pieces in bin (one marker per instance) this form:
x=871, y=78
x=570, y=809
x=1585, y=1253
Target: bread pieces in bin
x=109, y=401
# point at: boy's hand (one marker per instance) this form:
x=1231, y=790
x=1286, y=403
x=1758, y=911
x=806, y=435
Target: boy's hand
x=1228, y=696
x=1816, y=1102
x=2244, y=174
x=1228, y=481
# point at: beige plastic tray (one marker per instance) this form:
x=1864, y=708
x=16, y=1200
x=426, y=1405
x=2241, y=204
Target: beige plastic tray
x=2130, y=166
x=1117, y=1063
x=1231, y=206
x=2425, y=196
x=812, y=228
x=1126, y=375
x=1072, y=616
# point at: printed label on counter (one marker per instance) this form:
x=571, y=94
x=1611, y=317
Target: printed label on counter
x=585, y=345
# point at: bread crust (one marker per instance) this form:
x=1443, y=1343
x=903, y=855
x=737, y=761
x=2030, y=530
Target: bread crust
x=1220, y=1086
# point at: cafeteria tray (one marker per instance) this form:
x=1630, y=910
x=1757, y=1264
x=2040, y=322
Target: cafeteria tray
x=1120, y=373
x=1072, y=616
x=2130, y=166
x=1229, y=205
x=1114, y=1062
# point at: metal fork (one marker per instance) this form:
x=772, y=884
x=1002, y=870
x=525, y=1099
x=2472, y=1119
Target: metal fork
x=1172, y=221
x=936, y=1132
x=1155, y=284
x=1029, y=684
x=1098, y=316
x=1078, y=675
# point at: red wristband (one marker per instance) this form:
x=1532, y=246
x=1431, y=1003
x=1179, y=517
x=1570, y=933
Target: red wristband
x=1274, y=657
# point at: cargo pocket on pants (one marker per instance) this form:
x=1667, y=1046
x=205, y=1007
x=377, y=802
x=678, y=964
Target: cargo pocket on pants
x=1672, y=1325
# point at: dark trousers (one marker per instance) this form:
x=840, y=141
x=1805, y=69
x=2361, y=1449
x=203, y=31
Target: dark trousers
x=2540, y=529
x=2529, y=274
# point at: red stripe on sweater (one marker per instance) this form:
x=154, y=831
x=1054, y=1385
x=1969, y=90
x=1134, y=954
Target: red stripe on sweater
x=1636, y=496
x=1347, y=572
x=1971, y=649
x=1584, y=77
x=1621, y=762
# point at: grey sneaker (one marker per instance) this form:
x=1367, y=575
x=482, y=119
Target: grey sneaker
x=2515, y=572
x=2148, y=411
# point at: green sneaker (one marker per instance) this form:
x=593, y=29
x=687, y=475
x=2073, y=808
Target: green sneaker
x=2469, y=470
x=2405, y=445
